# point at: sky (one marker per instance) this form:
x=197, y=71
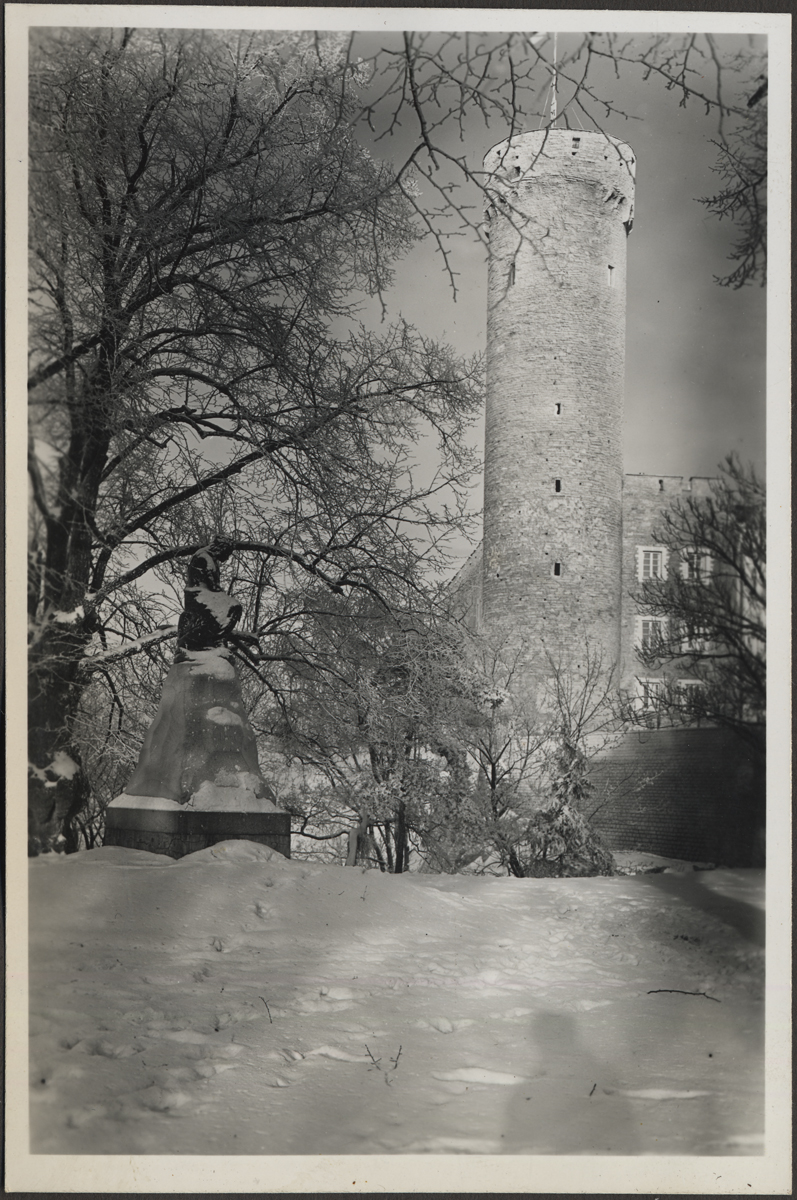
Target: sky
x=695, y=351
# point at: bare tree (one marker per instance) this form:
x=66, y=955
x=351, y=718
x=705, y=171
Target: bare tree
x=532, y=760
x=712, y=605
x=742, y=198
x=369, y=722
x=201, y=211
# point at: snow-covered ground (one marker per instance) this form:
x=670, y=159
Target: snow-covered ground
x=236, y=1003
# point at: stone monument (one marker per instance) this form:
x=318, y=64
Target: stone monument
x=198, y=780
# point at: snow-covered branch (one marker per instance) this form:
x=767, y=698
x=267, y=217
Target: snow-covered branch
x=95, y=662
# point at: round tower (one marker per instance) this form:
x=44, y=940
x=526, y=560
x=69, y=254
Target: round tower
x=560, y=208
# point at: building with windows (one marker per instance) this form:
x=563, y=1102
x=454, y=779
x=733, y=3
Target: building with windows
x=568, y=539
x=644, y=499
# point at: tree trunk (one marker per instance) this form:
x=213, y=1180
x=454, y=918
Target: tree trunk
x=515, y=866
x=357, y=842
x=57, y=784
x=388, y=848
x=402, y=847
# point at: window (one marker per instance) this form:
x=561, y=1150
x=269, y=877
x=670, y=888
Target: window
x=689, y=694
x=557, y=409
x=694, y=640
x=511, y=273
x=689, y=688
x=557, y=568
x=651, y=634
x=651, y=694
x=576, y=143
x=611, y=276
x=557, y=485
x=651, y=563
x=696, y=565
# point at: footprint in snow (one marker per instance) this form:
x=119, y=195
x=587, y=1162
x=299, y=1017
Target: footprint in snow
x=159, y=1099
x=234, y=1017
x=206, y=1070
x=288, y=1054
x=195, y=1044
x=104, y=1048
x=169, y=1088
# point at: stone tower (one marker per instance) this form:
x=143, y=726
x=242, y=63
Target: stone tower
x=559, y=211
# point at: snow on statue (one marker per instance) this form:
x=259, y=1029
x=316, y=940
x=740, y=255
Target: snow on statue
x=209, y=614
x=200, y=751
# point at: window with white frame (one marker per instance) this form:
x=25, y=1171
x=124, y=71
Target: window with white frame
x=689, y=689
x=688, y=692
x=696, y=564
x=651, y=633
x=651, y=563
x=650, y=693
x=694, y=639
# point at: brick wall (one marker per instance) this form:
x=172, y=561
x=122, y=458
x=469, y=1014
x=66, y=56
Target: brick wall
x=683, y=793
x=555, y=360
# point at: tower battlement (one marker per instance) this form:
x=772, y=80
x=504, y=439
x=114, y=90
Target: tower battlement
x=569, y=155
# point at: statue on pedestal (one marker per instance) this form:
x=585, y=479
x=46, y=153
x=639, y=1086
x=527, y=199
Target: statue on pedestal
x=200, y=751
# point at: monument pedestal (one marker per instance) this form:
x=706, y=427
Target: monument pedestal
x=198, y=781
x=176, y=833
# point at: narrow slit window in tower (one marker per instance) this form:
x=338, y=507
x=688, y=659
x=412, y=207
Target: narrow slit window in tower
x=557, y=568
x=611, y=276
x=558, y=409
x=557, y=485
x=576, y=143
x=511, y=273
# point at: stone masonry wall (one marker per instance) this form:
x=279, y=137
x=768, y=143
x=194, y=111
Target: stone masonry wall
x=562, y=206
